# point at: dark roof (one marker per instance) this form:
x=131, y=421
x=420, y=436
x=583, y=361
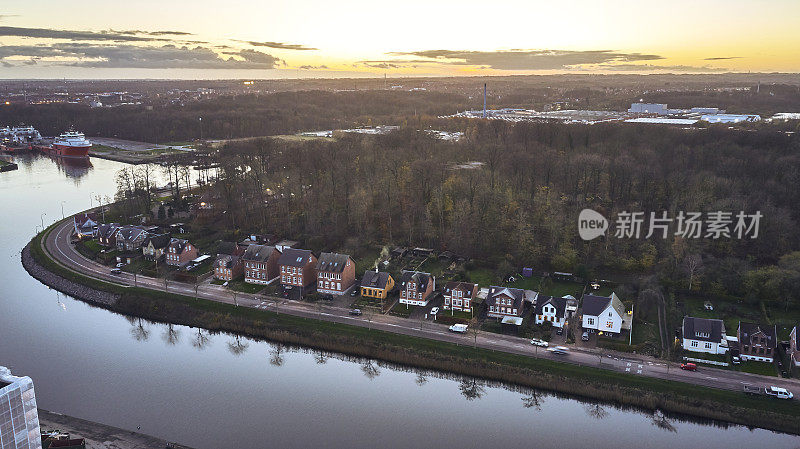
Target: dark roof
x=178, y=244
x=559, y=303
x=332, y=262
x=81, y=219
x=226, y=260
x=158, y=241
x=467, y=287
x=419, y=278
x=746, y=330
x=295, y=257
x=516, y=293
x=129, y=233
x=375, y=279
x=258, y=253
x=107, y=229
x=226, y=248
x=693, y=328
x=593, y=305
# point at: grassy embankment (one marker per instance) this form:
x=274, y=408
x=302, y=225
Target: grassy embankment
x=610, y=386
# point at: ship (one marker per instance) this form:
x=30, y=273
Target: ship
x=68, y=144
x=18, y=139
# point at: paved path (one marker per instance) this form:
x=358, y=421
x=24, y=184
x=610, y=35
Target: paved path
x=58, y=245
x=100, y=436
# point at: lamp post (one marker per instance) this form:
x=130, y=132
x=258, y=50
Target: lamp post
x=62, y=209
x=91, y=195
x=42, y=218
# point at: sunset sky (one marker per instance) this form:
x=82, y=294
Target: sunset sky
x=316, y=38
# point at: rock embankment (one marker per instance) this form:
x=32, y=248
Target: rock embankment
x=54, y=281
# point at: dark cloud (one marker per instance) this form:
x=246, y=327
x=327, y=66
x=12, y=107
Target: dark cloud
x=400, y=61
x=652, y=68
x=528, y=59
x=278, y=45
x=46, y=33
x=313, y=67
x=721, y=58
x=132, y=56
x=152, y=33
x=382, y=65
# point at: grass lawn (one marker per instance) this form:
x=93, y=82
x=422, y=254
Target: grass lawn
x=217, y=281
x=556, y=288
x=456, y=314
x=484, y=277
x=401, y=310
x=763, y=368
x=242, y=286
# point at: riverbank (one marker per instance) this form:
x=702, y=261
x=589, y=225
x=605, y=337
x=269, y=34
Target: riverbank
x=579, y=381
x=7, y=166
x=100, y=435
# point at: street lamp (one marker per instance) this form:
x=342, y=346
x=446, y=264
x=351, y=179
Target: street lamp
x=91, y=195
x=42, y=218
x=62, y=209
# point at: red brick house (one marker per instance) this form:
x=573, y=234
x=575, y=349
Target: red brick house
x=508, y=303
x=260, y=264
x=228, y=267
x=416, y=288
x=180, y=252
x=757, y=342
x=335, y=273
x=298, y=268
x=459, y=295
x=107, y=234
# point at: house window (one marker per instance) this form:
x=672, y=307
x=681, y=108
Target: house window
x=609, y=324
x=708, y=345
x=590, y=321
x=694, y=344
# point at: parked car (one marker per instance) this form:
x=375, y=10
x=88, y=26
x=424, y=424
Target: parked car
x=560, y=350
x=539, y=342
x=121, y=264
x=736, y=360
x=116, y=271
x=355, y=312
x=585, y=336
x=354, y=291
x=778, y=392
x=460, y=328
x=689, y=366
x=434, y=311
x=559, y=331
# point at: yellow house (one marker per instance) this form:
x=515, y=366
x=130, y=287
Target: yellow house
x=376, y=284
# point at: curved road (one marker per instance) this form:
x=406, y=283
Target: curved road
x=58, y=245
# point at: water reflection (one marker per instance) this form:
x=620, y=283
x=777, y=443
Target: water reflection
x=534, y=400
x=370, y=369
x=139, y=331
x=237, y=346
x=201, y=339
x=595, y=411
x=171, y=336
x=471, y=389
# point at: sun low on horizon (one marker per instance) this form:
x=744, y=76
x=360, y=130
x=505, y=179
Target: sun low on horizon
x=313, y=38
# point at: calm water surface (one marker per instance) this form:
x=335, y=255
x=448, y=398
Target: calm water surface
x=214, y=391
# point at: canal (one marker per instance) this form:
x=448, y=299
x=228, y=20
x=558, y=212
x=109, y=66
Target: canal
x=216, y=391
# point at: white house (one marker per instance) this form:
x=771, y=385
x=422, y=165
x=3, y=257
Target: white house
x=704, y=335
x=605, y=314
x=550, y=309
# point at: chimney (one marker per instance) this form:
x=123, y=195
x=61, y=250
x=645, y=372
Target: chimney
x=484, y=100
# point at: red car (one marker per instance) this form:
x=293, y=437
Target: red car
x=689, y=366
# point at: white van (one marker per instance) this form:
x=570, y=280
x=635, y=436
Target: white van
x=460, y=328
x=778, y=392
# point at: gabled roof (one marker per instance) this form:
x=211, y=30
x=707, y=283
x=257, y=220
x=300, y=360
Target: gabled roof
x=594, y=305
x=375, y=279
x=416, y=277
x=517, y=294
x=158, y=241
x=130, y=233
x=227, y=248
x=226, y=260
x=467, y=287
x=107, y=229
x=559, y=303
x=332, y=262
x=747, y=330
x=703, y=329
x=258, y=253
x=178, y=244
x=293, y=257
x=81, y=220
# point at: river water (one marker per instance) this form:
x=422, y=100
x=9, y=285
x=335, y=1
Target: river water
x=214, y=391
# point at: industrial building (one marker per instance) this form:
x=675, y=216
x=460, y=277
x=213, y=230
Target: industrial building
x=19, y=417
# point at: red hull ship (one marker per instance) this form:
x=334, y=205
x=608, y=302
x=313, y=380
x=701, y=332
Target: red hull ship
x=68, y=144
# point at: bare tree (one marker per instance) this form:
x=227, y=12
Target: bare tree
x=276, y=355
x=201, y=340
x=421, y=379
x=473, y=330
x=471, y=389
x=139, y=331
x=370, y=369
x=533, y=400
x=320, y=358
x=234, y=294
x=237, y=346
x=171, y=335
x=595, y=411
x=693, y=264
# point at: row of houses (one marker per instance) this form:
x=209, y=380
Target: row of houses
x=757, y=342
x=129, y=240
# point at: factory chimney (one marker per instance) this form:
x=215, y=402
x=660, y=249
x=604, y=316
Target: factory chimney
x=484, y=100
